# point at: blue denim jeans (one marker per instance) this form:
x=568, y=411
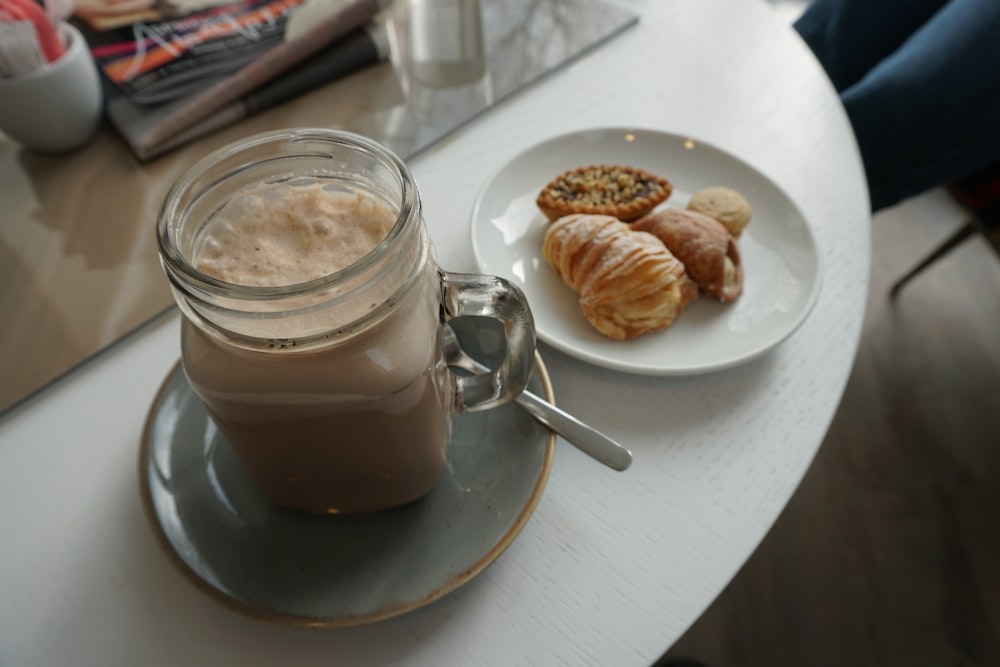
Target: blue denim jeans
x=920, y=80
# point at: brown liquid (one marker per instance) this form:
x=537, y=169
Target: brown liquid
x=328, y=431
x=356, y=424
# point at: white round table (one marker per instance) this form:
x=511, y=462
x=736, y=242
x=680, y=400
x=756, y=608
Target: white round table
x=612, y=567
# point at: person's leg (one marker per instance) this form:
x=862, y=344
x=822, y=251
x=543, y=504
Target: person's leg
x=849, y=37
x=929, y=113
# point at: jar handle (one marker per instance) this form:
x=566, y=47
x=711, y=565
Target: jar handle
x=464, y=294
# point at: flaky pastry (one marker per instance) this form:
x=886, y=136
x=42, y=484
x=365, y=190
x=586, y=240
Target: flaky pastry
x=705, y=247
x=628, y=282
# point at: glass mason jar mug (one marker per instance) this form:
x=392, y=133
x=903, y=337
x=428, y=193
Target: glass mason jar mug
x=312, y=323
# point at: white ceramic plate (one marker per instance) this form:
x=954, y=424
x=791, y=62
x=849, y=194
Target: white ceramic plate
x=780, y=258
x=295, y=568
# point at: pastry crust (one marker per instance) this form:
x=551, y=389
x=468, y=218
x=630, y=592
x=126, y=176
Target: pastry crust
x=625, y=193
x=725, y=205
x=629, y=284
x=705, y=247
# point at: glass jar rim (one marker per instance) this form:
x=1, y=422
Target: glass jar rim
x=176, y=263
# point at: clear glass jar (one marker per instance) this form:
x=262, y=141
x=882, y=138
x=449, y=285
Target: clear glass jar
x=334, y=393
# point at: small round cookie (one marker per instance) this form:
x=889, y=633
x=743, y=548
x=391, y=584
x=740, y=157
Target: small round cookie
x=725, y=205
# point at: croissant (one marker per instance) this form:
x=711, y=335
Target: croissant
x=628, y=282
x=703, y=245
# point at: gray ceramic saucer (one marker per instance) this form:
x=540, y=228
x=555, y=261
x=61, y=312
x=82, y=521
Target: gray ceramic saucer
x=284, y=566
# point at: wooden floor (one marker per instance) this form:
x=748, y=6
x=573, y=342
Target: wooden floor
x=889, y=553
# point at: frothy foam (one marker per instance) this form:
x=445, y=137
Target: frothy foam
x=272, y=234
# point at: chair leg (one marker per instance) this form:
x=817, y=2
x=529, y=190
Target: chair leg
x=967, y=230
x=992, y=232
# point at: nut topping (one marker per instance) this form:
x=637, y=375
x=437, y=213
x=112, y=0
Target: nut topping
x=626, y=193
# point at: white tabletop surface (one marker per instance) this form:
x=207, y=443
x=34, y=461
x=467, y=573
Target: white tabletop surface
x=613, y=567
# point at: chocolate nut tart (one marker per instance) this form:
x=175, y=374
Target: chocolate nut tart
x=626, y=193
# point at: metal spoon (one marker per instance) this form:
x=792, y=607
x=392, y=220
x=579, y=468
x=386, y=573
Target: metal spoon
x=583, y=437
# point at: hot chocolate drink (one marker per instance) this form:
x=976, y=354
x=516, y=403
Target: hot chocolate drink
x=312, y=318
x=337, y=424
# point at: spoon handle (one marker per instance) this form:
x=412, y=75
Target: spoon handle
x=583, y=437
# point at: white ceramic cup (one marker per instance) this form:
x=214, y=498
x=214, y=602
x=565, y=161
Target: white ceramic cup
x=57, y=107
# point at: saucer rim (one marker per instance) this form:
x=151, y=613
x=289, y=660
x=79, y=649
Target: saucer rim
x=450, y=585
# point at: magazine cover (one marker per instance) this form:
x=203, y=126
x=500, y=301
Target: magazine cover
x=180, y=70
x=167, y=49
